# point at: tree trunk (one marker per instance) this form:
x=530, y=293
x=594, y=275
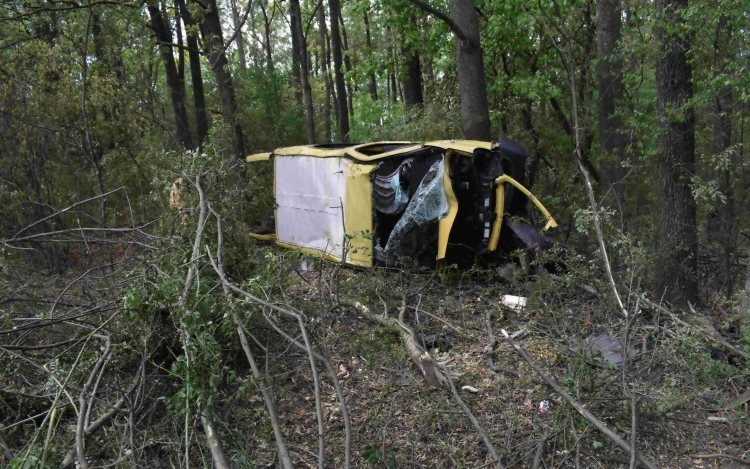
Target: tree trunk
x=211, y=29
x=180, y=50
x=721, y=142
x=239, y=39
x=373, y=85
x=266, y=34
x=299, y=37
x=609, y=75
x=335, y=8
x=463, y=22
x=429, y=74
x=392, y=89
x=254, y=53
x=296, y=29
x=322, y=35
x=475, y=113
x=164, y=38
x=678, y=241
x=348, y=66
x=413, y=84
x=196, y=75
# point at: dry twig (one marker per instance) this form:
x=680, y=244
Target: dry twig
x=601, y=426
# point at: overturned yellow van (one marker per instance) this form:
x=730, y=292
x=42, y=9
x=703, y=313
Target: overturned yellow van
x=385, y=203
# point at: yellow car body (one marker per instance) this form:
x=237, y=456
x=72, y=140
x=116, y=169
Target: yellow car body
x=377, y=203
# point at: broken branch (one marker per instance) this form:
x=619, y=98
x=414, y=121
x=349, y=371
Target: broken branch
x=601, y=426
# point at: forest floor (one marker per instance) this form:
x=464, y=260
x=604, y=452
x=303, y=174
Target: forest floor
x=397, y=420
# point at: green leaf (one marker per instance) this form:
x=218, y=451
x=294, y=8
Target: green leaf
x=133, y=299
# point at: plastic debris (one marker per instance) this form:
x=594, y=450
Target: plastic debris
x=605, y=348
x=712, y=419
x=544, y=407
x=517, y=303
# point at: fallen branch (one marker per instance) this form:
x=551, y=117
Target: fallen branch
x=704, y=332
x=485, y=438
x=6, y=450
x=96, y=425
x=281, y=446
x=83, y=403
x=721, y=456
x=741, y=399
x=39, y=347
x=214, y=441
x=59, y=212
x=422, y=360
x=539, y=451
x=489, y=351
x=601, y=426
x=336, y=386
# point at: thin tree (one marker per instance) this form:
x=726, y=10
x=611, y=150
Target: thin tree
x=211, y=30
x=609, y=77
x=335, y=9
x=299, y=37
x=295, y=29
x=413, y=95
x=239, y=38
x=347, y=66
x=163, y=35
x=678, y=239
x=463, y=22
x=267, y=20
x=322, y=35
x=196, y=75
x=722, y=140
x=373, y=84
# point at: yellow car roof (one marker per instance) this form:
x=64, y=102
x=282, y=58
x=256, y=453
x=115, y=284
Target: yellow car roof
x=353, y=151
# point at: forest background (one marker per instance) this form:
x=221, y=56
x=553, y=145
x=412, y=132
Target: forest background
x=124, y=127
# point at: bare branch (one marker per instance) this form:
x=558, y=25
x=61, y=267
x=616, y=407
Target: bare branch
x=445, y=18
x=601, y=426
x=487, y=442
x=336, y=386
x=59, y=212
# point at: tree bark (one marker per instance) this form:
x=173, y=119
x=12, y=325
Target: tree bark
x=239, y=39
x=299, y=37
x=196, y=75
x=678, y=241
x=177, y=93
x=722, y=140
x=322, y=35
x=475, y=112
x=373, y=85
x=413, y=85
x=180, y=50
x=348, y=66
x=429, y=74
x=392, y=88
x=267, y=34
x=335, y=8
x=609, y=76
x=296, y=30
x=211, y=29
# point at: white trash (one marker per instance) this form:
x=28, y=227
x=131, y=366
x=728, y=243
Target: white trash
x=514, y=302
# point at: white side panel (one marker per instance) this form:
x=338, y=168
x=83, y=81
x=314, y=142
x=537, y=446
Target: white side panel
x=310, y=193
